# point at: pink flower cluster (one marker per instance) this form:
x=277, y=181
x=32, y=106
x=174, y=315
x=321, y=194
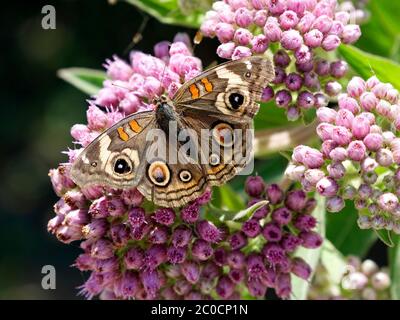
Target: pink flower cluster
x=280, y=229
x=298, y=28
x=131, y=87
x=360, y=154
x=132, y=252
x=362, y=280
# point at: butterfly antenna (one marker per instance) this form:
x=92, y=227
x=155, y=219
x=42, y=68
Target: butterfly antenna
x=119, y=86
x=138, y=36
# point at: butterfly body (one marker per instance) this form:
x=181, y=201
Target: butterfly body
x=201, y=137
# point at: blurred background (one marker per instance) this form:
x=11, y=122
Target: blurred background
x=38, y=110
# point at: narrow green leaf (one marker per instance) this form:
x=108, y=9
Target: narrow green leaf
x=311, y=256
x=394, y=264
x=333, y=261
x=343, y=231
x=380, y=35
x=386, y=237
x=367, y=65
x=169, y=12
x=89, y=81
x=247, y=213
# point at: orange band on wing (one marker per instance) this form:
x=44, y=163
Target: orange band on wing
x=194, y=91
x=207, y=84
x=135, y=126
x=122, y=134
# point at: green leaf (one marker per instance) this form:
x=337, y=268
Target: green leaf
x=226, y=198
x=333, y=261
x=367, y=65
x=386, y=237
x=270, y=116
x=311, y=256
x=89, y=81
x=248, y=212
x=343, y=231
x=381, y=34
x=394, y=264
x=169, y=12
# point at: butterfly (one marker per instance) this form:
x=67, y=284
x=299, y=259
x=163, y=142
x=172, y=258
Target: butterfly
x=221, y=101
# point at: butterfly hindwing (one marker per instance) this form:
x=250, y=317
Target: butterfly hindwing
x=114, y=158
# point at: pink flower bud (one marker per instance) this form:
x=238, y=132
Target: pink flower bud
x=288, y=19
x=259, y=44
x=181, y=236
x=134, y=258
x=272, y=232
x=224, y=32
x=373, y=141
x=272, y=30
x=225, y=287
x=243, y=36
x=164, y=216
x=336, y=170
x=243, y=17
x=176, y=255
x=190, y=213
x=301, y=268
x=291, y=40
x=282, y=216
x=325, y=131
x=333, y=88
x=225, y=50
x=161, y=49
x=306, y=22
x=283, y=287
x=202, y=250
x=313, y=38
x=151, y=281
x=356, y=150
x=360, y=127
x=331, y=42
x=388, y=202
x=260, y=18
x=327, y=187
x=241, y=52
x=335, y=204
x=311, y=239
x=351, y=33
x=102, y=249
x=384, y=157
x=118, y=69
x=208, y=231
x=191, y=271
x=339, y=69
x=356, y=87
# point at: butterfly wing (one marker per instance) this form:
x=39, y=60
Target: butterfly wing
x=223, y=100
x=116, y=156
x=232, y=88
x=173, y=184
